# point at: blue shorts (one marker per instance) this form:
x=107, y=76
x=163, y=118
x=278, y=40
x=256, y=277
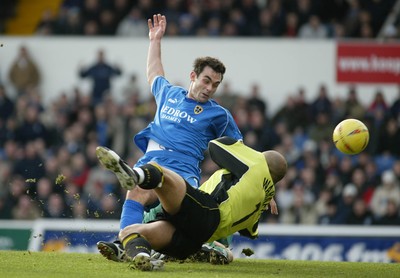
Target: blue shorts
x=189, y=170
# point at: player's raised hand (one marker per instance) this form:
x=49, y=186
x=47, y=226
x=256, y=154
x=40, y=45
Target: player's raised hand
x=157, y=26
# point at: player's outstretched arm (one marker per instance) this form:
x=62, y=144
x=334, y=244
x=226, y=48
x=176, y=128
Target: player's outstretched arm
x=157, y=28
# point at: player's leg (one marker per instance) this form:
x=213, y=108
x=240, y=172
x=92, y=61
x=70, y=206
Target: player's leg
x=134, y=206
x=136, y=200
x=148, y=176
x=139, y=239
x=171, y=189
x=168, y=185
x=132, y=213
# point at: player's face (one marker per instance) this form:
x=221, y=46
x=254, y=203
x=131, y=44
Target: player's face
x=204, y=85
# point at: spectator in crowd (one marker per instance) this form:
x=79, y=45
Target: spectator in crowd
x=365, y=30
x=395, y=107
x=322, y=202
x=55, y=207
x=358, y=179
x=378, y=104
x=338, y=110
x=6, y=105
x=31, y=127
x=26, y=209
x=360, y=214
x=292, y=25
x=277, y=14
x=284, y=194
x=79, y=210
x=345, y=203
x=302, y=210
x=285, y=114
x=101, y=74
x=24, y=72
x=91, y=10
x=102, y=126
x=133, y=25
x=305, y=9
x=333, y=184
x=351, y=17
x=121, y=8
x=91, y=28
x=384, y=161
x=337, y=19
x=330, y=216
x=302, y=109
x=354, y=108
x=131, y=90
x=378, y=9
x=266, y=27
x=396, y=170
x=289, y=149
x=391, y=215
x=187, y=25
x=43, y=192
x=255, y=101
x=313, y=29
x=338, y=31
x=5, y=208
x=109, y=208
x=116, y=127
x=333, y=10
x=80, y=170
x=322, y=103
x=107, y=23
x=71, y=23
x=47, y=23
x=322, y=128
x=389, y=189
x=372, y=178
x=389, y=138
x=261, y=135
x=377, y=113
x=30, y=166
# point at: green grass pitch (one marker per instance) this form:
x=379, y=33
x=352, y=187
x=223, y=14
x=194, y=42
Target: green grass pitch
x=53, y=264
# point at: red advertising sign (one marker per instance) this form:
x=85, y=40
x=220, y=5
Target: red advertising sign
x=368, y=63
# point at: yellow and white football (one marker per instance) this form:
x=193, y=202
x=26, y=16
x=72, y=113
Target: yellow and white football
x=351, y=136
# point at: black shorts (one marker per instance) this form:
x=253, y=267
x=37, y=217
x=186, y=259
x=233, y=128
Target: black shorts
x=195, y=223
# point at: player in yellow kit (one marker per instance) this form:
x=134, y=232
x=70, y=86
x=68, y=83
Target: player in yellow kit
x=230, y=201
x=239, y=194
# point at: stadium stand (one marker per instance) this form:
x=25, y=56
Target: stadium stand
x=48, y=167
x=274, y=18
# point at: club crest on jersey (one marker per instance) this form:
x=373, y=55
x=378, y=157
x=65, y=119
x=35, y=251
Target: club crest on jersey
x=198, y=109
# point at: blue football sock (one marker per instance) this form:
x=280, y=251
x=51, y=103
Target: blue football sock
x=132, y=213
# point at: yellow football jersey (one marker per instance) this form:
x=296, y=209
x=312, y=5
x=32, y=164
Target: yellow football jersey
x=244, y=191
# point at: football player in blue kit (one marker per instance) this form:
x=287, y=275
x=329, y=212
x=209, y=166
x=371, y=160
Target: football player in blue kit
x=185, y=122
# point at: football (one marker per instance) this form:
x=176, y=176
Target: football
x=351, y=136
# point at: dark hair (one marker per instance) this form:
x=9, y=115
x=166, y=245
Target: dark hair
x=202, y=62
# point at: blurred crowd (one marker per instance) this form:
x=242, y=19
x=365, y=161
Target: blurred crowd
x=48, y=166
x=229, y=18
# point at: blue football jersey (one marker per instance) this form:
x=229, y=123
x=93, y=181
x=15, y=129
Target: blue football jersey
x=184, y=127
